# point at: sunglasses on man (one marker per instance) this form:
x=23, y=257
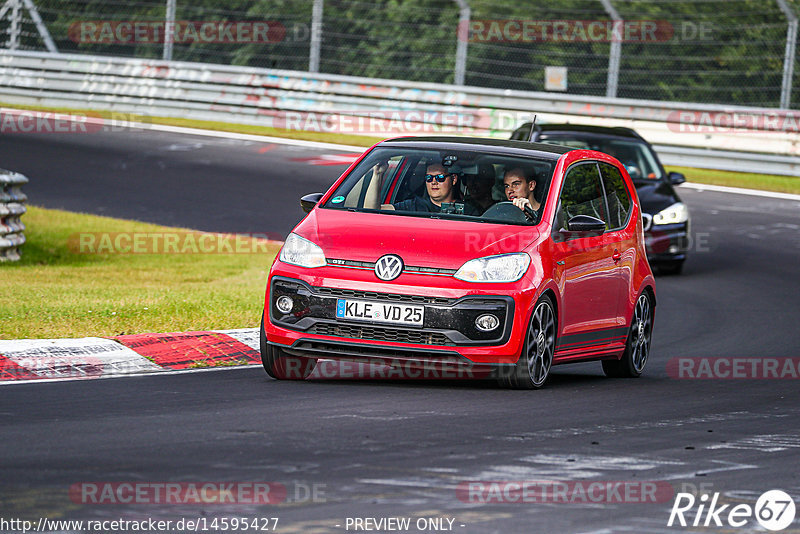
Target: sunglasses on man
x=438, y=177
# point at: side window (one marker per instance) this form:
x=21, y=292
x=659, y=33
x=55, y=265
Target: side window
x=619, y=201
x=367, y=187
x=582, y=194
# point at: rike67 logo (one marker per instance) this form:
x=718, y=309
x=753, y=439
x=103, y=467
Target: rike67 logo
x=774, y=510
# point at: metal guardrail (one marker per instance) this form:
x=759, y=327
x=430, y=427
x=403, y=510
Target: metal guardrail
x=12, y=206
x=264, y=97
x=728, y=161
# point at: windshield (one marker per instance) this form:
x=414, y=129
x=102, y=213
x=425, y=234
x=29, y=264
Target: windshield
x=637, y=157
x=453, y=184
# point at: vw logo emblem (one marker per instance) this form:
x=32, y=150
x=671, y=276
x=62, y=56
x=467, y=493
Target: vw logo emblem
x=388, y=267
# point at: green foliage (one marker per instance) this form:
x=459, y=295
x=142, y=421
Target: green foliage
x=712, y=51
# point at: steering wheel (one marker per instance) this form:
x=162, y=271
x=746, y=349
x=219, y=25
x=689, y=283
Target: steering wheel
x=507, y=211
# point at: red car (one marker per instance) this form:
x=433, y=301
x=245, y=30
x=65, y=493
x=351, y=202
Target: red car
x=505, y=256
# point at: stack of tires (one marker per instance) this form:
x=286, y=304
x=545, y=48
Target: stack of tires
x=12, y=206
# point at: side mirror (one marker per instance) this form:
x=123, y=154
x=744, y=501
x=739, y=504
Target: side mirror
x=676, y=178
x=309, y=201
x=585, y=223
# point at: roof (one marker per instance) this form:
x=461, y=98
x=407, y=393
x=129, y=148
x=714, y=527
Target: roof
x=507, y=146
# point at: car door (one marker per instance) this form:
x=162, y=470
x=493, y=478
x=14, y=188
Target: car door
x=590, y=281
x=623, y=234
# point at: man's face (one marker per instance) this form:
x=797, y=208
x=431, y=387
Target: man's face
x=440, y=191
x=516, y=185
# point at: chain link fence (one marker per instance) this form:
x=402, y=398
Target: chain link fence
x=707, y=51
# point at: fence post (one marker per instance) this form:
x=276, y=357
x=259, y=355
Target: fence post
x=788, y=57
x=169, y=30
x=316, y=36
x=616, y=49
x=464, y=14
x=14, y=29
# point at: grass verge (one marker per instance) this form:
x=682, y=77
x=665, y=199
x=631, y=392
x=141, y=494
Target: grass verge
x=748, y=180
x=57, y=290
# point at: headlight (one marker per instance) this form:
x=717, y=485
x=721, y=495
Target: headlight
x=299, y=251
x=503, y=268
x=677, y=213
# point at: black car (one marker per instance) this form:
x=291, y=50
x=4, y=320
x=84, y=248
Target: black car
x=665, y=218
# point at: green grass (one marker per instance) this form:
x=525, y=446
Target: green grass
x=58, y=291
x=765, y=182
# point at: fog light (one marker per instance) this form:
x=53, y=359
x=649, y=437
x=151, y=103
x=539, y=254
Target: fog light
x=487, y=322
x=284, y=304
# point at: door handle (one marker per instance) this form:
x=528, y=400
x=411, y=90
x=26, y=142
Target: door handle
x=616, y=256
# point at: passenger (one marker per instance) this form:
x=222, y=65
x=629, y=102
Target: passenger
x=520, y=186
x=479, y=188
x=440, y=187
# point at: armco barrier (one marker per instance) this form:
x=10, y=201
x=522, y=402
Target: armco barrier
x=262, y=96
x=12, y=207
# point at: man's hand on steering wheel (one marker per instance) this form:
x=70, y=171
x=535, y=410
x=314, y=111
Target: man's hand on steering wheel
x=525, y=205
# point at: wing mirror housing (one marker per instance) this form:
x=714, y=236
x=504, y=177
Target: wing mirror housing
x=676, y=178
x=586, y=223
x=309, y=201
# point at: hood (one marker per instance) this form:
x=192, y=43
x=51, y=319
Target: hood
x=419, y=241
x=655, y=195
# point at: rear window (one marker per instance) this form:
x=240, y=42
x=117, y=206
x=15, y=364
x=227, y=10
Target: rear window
x=435, y=183
x=619, y=201
x=638, y=158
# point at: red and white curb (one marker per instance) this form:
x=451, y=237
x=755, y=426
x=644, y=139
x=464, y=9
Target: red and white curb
x=94, y=357
x=48, y=360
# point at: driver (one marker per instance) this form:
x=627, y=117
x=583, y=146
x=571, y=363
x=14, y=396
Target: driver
x=520, y=186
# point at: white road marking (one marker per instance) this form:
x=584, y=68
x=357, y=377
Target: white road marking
x=248, y=336
x=726, y=466
x=739, y=191
x=762, y=443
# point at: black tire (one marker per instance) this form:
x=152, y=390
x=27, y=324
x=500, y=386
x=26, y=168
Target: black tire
x=280, y=365
x=637, y=346
x=533, y=367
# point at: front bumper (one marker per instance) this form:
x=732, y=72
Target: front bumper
x=667, y=242
x=447, y=335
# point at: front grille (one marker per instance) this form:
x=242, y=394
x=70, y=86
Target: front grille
x=369, y=265
x=388, y=297
x=381, y=334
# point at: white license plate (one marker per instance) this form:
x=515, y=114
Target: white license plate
x=382, y=312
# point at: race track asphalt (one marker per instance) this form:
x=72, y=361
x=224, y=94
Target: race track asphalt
x=378, y=448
